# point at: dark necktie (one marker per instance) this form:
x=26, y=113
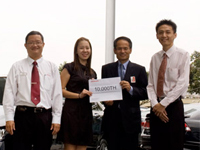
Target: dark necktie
x=161, y=76
x=35, y=85
x=121, y=71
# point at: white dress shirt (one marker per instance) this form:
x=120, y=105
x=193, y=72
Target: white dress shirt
x=176, y=75
x=18, y=88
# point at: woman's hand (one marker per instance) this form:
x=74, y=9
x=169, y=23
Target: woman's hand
x=85, y=93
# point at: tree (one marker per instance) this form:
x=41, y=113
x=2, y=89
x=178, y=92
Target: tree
x=195, y=73
x=61, y=66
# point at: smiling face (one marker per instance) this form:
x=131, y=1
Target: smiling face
x=122, y=51
x=166, y=36
x=83, y=51
x=34, y=46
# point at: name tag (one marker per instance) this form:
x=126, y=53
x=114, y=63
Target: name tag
x=133, y=80
x=23, y=73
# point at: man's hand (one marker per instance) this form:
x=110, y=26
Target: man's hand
x=55, y=128
x=10, y=126
x=160, y=111
x=109, y=103
x=125, y=85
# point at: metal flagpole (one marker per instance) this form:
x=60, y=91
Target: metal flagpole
x=110, y=30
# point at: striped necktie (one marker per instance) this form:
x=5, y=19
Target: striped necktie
x=161, y=76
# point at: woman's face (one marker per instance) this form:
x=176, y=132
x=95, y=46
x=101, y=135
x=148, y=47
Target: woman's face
x=83, y=50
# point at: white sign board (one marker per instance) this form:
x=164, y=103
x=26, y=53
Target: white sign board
x=105, y=89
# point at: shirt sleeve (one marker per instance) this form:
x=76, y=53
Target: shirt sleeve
x=150, y=88
x=9, y=96
x=182, y=82
x=131, y=91
x=57, y=98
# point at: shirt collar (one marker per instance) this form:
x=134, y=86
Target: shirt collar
x=169, y=51
x=30, y=60
x=125, y=64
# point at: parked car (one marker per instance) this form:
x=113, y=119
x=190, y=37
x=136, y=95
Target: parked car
x=2, y=117
x=192, y=119
x=192, y=128
x=144, y=112
x=99, y=142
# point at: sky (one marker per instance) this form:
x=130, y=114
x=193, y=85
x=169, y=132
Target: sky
x=62, y=22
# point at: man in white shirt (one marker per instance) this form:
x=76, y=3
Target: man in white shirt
x=30, y=123
x=167, y=115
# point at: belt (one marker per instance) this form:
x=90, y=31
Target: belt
x=32, y=109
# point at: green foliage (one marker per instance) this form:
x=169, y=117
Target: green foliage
x=195, y=73
x=147, y=74
x=61, y=66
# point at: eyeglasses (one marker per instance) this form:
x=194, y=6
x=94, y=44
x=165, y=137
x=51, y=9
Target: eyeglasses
x=33, y=43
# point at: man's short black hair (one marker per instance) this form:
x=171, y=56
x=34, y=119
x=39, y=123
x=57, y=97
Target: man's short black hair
x=167, y=22
x=123, y=38
x=34, y=33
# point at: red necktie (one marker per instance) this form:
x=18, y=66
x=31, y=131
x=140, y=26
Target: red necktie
x=161, y=76
x=35, y=85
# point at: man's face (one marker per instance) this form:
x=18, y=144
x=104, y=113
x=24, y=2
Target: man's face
x=122, y=51
x=166, y=36
x=34, y=46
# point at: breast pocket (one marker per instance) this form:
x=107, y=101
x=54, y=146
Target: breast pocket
x=22, y=80
x=172, y=74
x=47, y=82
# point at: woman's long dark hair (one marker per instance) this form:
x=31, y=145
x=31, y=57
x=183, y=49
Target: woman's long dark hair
x=76, y=57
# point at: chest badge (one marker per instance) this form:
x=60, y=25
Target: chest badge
x=133, y=79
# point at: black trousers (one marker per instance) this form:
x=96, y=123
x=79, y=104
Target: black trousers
x=168, y=136
x=117, y=138
x=32, y=130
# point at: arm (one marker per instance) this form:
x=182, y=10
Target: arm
x=151, y=87
x=65, y=76
x=57, y=99
x=9, y=97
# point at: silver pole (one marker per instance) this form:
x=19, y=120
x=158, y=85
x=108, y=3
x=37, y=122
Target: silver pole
x=110, y=30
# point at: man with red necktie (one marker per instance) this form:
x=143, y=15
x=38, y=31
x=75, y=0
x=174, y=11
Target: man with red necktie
x=168, y=83
x=33, y=86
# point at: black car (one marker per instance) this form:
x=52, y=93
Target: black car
x=192, y=127
x=192, y=119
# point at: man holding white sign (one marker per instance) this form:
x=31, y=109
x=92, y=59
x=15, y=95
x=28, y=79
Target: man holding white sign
x=122, y=119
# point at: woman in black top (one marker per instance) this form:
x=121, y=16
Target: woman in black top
x=76, y=122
